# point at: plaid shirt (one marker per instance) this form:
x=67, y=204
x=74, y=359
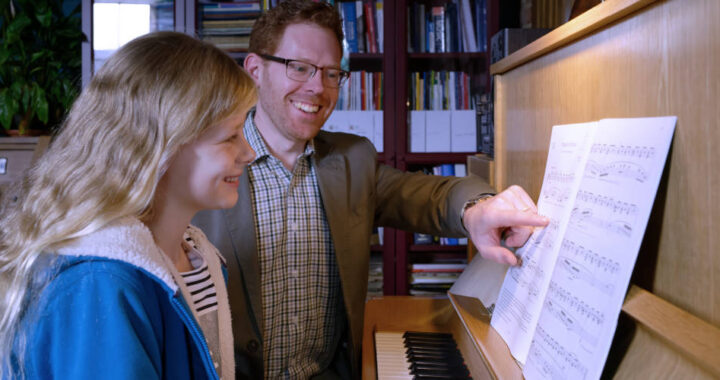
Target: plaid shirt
x=298, y=270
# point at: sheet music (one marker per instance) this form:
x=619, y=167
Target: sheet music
x=521, y=298
x=605, y=219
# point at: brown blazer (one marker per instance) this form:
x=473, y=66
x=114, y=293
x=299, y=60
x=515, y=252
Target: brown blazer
x=357, y=194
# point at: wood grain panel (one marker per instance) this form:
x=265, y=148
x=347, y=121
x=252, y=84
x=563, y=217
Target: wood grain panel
x=663, y=59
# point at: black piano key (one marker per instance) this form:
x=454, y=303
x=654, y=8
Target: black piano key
x=454, y=360
x=434, y=356
x=438, y=377
x=430, y=335
x=460, y=371
x=429, y=343
x=431, y=350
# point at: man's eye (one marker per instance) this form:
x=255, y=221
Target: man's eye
x=333, y=74
x=300, y=68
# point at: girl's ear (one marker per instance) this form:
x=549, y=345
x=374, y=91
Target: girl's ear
x=254, y=65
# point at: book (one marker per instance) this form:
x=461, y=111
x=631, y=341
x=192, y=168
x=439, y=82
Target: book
x=349, y=18
x=370, y=27
x=558, y=311
x=360, y=27
x=438, y=19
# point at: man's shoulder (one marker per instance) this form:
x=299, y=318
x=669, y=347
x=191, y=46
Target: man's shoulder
x=343, y=142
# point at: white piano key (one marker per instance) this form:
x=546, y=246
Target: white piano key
x=390, y=356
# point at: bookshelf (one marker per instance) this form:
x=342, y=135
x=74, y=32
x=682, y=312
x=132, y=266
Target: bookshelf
x=396, y=63
x=477, y=65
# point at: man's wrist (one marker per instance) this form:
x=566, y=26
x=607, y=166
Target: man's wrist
x=472, y=202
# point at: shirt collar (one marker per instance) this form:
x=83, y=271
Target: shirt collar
x=257, y=143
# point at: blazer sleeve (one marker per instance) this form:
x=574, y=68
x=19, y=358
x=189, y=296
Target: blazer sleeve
x=95, y=323
x=424, y=203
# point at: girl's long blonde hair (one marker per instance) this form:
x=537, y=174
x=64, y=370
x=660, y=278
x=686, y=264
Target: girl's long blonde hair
x=153, y=95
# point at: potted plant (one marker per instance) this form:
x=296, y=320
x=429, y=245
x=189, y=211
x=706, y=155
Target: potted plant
x=40, y=63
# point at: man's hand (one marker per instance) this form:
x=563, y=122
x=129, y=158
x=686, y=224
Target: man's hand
x=510, y=215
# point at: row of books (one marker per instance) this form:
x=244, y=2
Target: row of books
x=375, y=278
x=434, y=278
x=456, y=26
x=440, y=90
x=362, y=25
x=455, y=170
x=443, y=131
x=228, y=24
x=368, y=124
x=362, y=92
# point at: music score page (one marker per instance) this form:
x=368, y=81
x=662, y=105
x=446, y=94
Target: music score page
x=558, y=311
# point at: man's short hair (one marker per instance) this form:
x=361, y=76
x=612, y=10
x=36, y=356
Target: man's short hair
x=269, y=28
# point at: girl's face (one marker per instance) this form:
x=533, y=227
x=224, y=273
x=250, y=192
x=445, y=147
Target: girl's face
x=204, y=173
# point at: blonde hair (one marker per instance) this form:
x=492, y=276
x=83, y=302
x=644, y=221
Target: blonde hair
x=155, y=94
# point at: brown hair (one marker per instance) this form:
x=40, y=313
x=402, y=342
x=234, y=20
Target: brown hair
x=269, y=28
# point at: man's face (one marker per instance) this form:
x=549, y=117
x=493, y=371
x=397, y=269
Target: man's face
x=297, y=110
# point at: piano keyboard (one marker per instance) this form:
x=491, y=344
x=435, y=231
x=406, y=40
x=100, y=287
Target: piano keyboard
x=418, y=355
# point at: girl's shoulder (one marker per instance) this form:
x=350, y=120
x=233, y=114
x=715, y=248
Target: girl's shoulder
x=76, y=278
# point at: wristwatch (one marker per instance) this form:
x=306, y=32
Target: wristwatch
x=472, y=202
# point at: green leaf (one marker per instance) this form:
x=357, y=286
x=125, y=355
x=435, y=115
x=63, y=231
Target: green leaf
x=40, y=103
x=16, y=27
x=8, y=108
x=4, y=55
x=44, y=16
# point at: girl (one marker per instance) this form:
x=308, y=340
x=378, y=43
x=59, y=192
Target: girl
x=101, y=274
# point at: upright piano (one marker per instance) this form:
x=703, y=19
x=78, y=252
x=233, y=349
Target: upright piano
x=622, y=58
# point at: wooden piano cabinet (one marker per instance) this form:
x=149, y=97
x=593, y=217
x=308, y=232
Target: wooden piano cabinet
x=406, y=313
x=685, y=345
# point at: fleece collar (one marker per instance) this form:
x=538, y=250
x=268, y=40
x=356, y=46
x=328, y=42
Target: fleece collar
x=126, y=239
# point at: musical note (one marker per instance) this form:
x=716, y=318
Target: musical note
x=555, y=194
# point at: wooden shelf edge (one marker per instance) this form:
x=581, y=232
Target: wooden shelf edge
x=595, y=18
x=697, y=339
x=449, y=55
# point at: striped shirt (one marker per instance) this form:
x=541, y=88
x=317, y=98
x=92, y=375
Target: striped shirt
x=299, y=274
x=204, y=299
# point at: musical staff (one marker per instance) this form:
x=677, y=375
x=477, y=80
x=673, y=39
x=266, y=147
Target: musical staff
x=641, y=152
x=580, y=307
x=555, y=175
x=607, y=202
x=549, y=350
x=576, y=271
x=615, y=171
x=594, y=259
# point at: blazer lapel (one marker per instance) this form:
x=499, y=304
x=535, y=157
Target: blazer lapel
x=334, y=190
x=241, y=225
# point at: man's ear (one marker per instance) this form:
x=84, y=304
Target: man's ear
x=253, y=65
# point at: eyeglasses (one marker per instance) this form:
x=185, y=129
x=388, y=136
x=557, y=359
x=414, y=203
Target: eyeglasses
x=303, y=71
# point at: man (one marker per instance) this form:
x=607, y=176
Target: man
x=297, y=243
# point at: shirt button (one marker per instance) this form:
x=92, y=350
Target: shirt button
x=252, y=345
